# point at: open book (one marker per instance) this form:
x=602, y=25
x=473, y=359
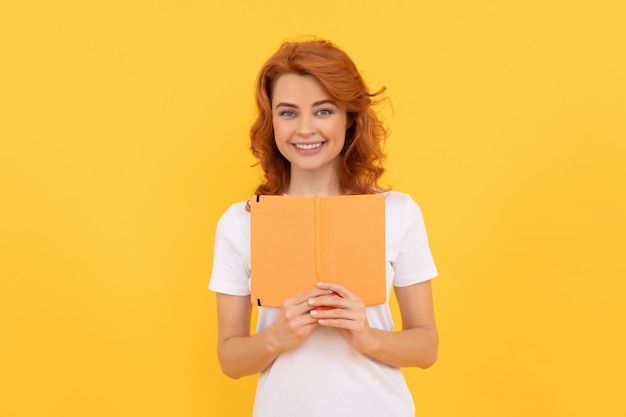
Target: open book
x=298, y=241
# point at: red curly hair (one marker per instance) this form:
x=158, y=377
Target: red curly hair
x=362, y=154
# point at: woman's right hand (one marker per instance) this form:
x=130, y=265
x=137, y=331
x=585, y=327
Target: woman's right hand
x=294, y=322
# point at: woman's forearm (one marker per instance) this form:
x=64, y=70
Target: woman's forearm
x=245, y=355
x=407, y=348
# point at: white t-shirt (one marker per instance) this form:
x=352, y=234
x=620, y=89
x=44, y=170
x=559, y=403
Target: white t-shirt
x=324, y=376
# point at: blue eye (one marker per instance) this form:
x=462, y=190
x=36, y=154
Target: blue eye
x=287, y=113
x=324, y=112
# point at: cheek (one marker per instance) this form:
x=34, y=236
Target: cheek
x=280, y=130
x=338, y=130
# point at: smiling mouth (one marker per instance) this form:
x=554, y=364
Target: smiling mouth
x=308, y=146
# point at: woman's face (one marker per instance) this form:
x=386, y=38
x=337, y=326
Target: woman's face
x=309, y=128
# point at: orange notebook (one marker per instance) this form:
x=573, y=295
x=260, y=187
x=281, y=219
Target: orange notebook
x=298, y=241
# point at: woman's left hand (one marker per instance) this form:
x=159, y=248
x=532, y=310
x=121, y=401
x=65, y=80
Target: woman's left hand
x=344, y=311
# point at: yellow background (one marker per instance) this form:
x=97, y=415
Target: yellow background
x=123, y=137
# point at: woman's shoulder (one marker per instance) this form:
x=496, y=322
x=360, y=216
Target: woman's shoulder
x=397, y=198
x=401, y=205
x=239, y=208
x=236, y=214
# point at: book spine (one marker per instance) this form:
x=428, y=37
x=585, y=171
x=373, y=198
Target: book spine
x=318, y=240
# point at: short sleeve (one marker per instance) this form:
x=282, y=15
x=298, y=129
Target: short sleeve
x=231, y=255
x=414, y=261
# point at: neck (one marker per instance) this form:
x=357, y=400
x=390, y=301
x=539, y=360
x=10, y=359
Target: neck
x=313, y=185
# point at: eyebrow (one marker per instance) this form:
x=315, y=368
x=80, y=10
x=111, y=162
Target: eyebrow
x=317, y=103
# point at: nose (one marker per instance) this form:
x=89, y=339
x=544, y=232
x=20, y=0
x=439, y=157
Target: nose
x=306, y=126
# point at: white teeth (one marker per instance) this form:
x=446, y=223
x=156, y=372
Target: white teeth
x=306, y=146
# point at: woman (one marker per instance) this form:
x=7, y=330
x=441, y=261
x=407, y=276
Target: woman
x=317, y=134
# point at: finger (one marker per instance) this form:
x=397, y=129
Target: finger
x=336, y=313
x=338, y=288
x=304, y=296
x=325, y=302
x=350, y=325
